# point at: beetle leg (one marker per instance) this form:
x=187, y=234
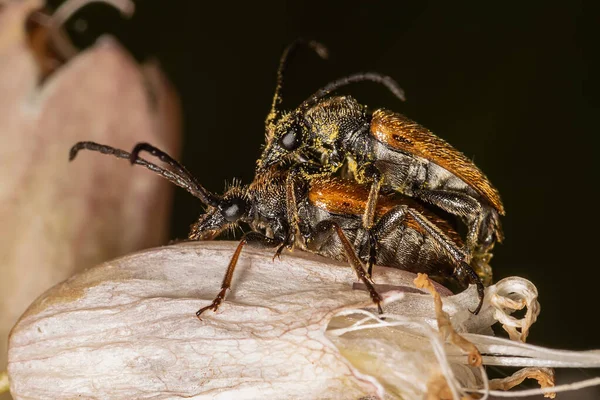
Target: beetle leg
x=299, y=173
x=288, y=242
x=369, y=173
x=293, y=219
x=330, y=226
x=458, y=254
x=296, y=174
x=369, y=214
x=483, y=230
x=463, y=271
x=458, y=204
x=373, y=243
x=254, y=239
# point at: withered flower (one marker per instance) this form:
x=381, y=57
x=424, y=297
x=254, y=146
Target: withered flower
x=58, y=218
x=289, y=329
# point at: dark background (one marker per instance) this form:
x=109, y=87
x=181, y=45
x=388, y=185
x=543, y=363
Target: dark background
x=508, y=85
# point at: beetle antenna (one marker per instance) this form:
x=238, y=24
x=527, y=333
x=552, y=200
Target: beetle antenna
x=385, y=80
x=180, y=177
x=284, y=61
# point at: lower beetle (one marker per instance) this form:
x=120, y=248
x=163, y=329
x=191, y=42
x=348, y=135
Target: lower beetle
x=408, y=236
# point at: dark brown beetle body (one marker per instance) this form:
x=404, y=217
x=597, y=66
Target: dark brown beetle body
x=390, y=152
x=330, y=226
x=402, y=242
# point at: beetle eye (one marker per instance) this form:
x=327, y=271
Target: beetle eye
x=233, y=209
x=291, y=139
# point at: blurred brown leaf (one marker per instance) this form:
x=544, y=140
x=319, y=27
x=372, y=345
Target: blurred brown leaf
x=58, y=217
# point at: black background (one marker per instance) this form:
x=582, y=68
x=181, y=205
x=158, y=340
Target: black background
x=508, y=85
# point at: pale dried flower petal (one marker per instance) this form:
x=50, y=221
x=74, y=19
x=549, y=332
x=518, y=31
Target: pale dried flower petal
x=288, y=329
x=127, y=329
x=512, y=295
x=58, y=217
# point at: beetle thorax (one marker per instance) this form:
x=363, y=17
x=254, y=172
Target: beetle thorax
x=333, y=120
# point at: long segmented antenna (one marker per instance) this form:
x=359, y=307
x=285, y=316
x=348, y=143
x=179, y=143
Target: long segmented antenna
x=181, y=177
x=376, y=77
x=162, y=156
x=284, y=61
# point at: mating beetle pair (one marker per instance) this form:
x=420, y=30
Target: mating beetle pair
x=387, y=151
x=377, y=216
x=331, y=226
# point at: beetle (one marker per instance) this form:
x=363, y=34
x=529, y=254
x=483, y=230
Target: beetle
x=386, y=150
x=406, y=233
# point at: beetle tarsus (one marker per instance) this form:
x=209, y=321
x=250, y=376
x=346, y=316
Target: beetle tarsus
x=214, y=305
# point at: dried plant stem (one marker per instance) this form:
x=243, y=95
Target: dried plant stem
x=544, y=376
x=444, y=324
x=542, y=391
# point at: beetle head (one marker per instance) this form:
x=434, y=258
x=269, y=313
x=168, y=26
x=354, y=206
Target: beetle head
x=289, y=137
x=231, y=209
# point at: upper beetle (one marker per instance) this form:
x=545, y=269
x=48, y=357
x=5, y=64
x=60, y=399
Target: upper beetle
x=384, y=149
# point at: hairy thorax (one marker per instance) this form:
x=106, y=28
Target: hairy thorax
x=334, y=120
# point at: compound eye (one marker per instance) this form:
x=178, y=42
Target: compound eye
x=233, y=209
x=291, y=139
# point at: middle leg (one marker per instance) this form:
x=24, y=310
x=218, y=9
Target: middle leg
x=329, y=226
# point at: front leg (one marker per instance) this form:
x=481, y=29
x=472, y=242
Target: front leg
x=369, y=173
x=254, y=239
x=299, y=173
x=293, y=219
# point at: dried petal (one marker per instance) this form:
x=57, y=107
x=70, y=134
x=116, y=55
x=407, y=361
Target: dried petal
x=127, y=329
x=513, y=295
x=288, y=329
x=59, y=217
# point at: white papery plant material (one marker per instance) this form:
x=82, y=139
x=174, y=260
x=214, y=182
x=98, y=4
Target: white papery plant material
x=290, y=328
x=60, y=217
